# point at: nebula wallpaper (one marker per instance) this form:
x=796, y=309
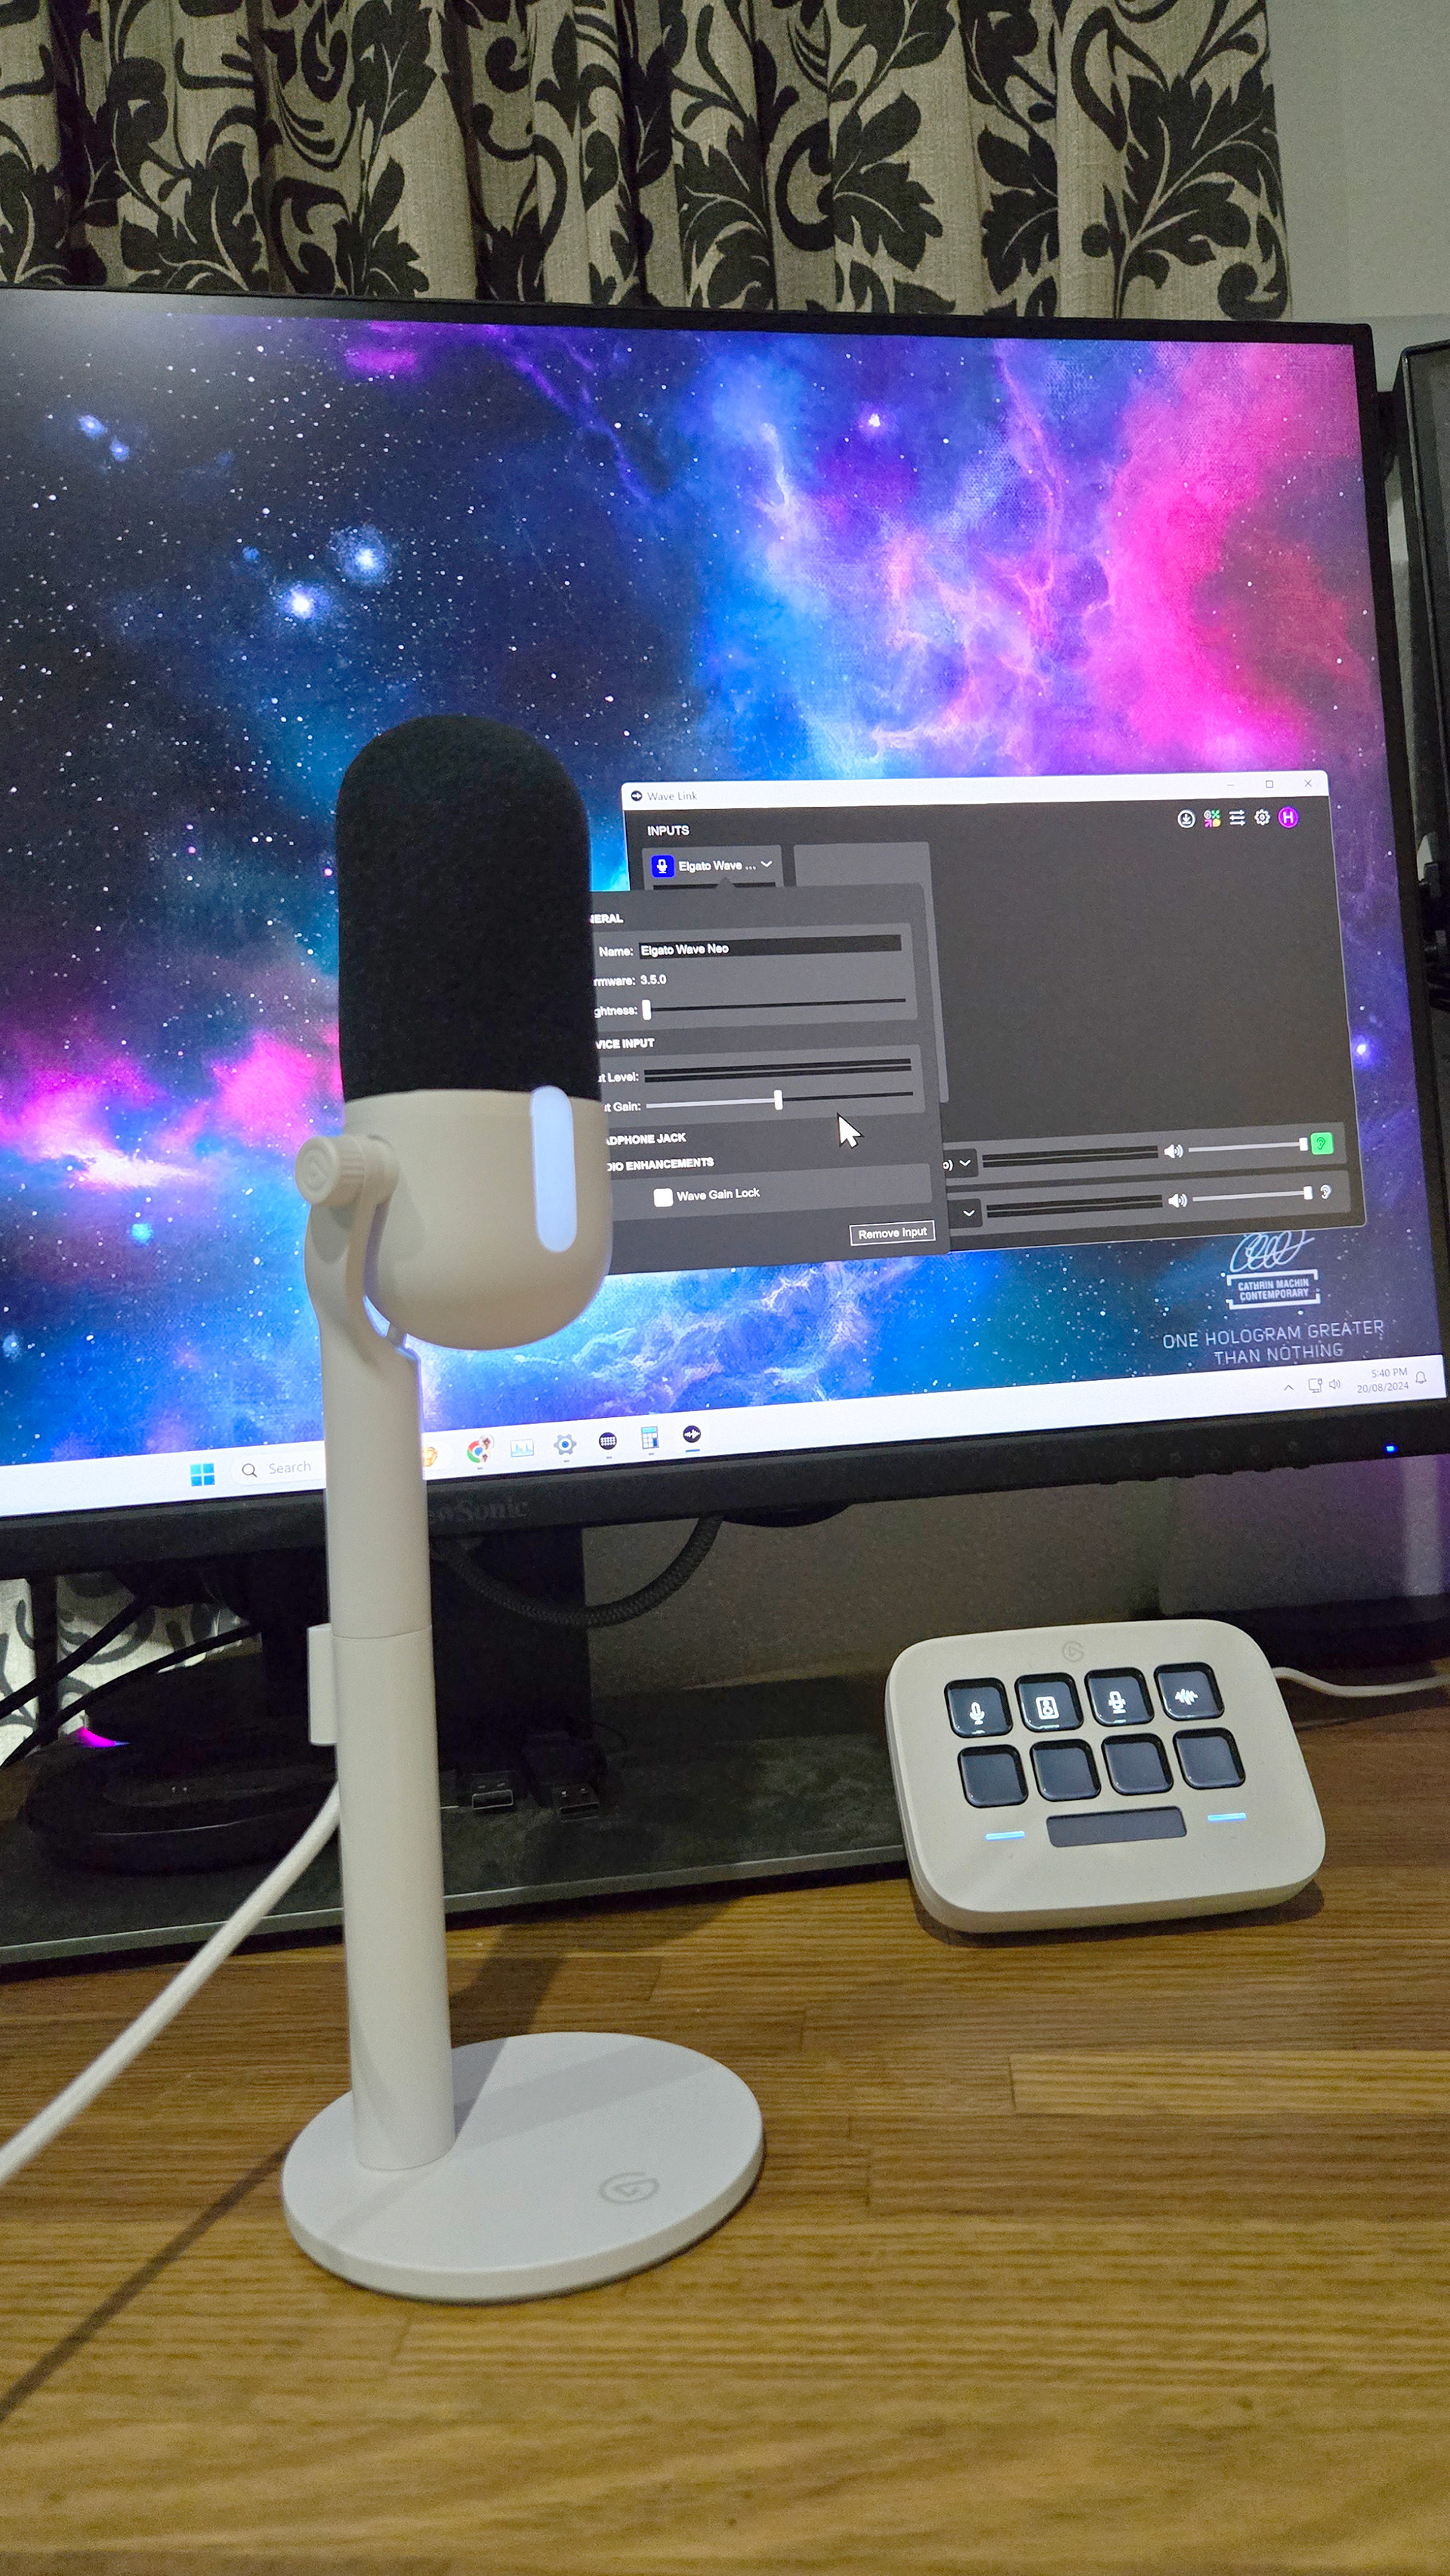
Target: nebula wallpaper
x=238, y=542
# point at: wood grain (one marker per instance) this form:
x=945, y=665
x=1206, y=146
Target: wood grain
x=1248, y=2085
x=1103, y=2255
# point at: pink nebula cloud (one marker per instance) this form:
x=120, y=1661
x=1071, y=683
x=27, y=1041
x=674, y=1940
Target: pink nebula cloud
x=267, y=1099
x=1224, y=634
x=272, y=1095
x=65, y=1110
x=99, y=1114
x=385, y=349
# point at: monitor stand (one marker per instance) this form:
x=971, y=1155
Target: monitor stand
x=546, y=1795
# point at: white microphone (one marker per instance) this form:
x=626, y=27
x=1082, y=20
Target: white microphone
x=467, y=1202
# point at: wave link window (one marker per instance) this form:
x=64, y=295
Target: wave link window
x=1079, y=1011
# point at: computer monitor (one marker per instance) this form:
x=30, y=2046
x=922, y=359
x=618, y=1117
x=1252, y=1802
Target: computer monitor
x=1008, y=1002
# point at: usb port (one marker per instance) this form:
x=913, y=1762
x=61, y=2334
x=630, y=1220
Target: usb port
x=573, y=1798
x=489, y=1793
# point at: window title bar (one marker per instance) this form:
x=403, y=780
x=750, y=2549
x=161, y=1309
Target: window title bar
x=715, y=795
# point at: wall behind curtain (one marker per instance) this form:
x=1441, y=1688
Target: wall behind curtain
x=896, y=156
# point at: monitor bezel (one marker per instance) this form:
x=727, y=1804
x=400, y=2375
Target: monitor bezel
x=1423, y=478
x=678, y=1489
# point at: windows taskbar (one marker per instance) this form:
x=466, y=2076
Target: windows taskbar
x=1226, y=1393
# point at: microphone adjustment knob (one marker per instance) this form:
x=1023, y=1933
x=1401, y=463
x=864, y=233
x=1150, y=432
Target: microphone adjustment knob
x=330, y=1170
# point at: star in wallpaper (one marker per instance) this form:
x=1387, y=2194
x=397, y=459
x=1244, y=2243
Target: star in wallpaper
x=238, y=543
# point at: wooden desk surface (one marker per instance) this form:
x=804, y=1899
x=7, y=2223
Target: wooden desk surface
x=1122, y=2252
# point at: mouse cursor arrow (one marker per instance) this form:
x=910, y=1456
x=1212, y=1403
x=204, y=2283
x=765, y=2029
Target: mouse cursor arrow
x=846, y=1134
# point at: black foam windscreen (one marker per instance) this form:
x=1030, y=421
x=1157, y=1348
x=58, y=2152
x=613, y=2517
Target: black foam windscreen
x=464, y=955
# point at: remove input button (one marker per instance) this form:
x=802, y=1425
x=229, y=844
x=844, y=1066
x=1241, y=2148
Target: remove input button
x=859, y=1189
x=906, y=1234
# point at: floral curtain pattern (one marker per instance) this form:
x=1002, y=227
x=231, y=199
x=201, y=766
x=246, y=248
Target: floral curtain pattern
x=85, y=1603
x=1087, y=157
x=80, y=1605
x=17, y=1655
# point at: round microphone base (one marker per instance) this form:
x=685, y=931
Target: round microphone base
x=580, y=2156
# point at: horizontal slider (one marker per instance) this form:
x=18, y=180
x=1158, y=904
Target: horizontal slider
x=1072, y=1154
x=834, y=1071
x=1073, y=1207
x=799, y=1002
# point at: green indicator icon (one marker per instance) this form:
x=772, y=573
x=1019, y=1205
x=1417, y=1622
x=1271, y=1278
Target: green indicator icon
x=1321, y=1142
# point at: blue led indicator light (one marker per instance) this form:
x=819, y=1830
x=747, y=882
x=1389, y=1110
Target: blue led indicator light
x=1018, y=1835
x=1229, y=1816
x=556, y=1199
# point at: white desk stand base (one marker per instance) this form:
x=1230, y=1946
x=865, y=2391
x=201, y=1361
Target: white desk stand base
x=579, y=2157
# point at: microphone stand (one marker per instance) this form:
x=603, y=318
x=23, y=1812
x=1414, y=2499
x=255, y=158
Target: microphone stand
x=515, y=2168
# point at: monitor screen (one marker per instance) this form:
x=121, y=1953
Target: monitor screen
x=1002, y=992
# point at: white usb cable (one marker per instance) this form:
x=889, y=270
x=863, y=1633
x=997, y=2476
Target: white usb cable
x=1357, y=1690
x=113, y=2061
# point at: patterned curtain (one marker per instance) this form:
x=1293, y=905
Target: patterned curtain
x=17, y=1661
x=83, y=1604
x=1088, y=157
